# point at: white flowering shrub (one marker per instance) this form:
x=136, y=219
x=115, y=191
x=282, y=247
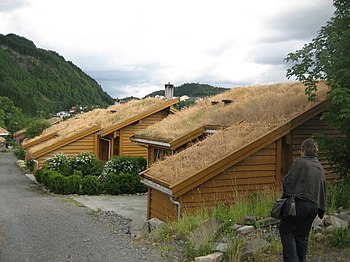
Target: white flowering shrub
x=124, y=165
x=60, y=163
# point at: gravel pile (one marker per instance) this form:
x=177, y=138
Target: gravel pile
x=116, y=222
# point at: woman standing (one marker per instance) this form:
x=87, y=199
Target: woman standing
x=306, y=181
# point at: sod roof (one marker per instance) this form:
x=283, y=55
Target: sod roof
x=103, y=118
x=262, y=109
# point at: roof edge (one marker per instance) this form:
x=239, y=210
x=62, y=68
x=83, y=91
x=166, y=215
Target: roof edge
x=138, y=117
x=26, y=145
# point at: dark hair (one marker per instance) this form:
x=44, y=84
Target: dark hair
x=310, y=147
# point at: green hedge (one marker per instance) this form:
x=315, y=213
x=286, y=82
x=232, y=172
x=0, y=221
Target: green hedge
x=116, y=184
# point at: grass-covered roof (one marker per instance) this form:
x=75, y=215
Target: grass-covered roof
x=262, y=108
x=104, y=118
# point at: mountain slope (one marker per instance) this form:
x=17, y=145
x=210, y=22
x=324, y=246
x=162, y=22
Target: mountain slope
x=193, y=90
x=42, y=82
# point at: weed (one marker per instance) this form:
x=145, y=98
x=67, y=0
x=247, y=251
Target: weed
x=339, y=237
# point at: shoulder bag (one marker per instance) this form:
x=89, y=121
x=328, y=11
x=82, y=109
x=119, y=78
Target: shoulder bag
x=284, y=208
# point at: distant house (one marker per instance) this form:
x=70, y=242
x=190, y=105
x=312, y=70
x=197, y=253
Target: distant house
x=103, y=132
x=246, y=157
x=3, y=133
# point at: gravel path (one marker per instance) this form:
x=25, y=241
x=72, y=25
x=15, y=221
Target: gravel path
x=37, y=226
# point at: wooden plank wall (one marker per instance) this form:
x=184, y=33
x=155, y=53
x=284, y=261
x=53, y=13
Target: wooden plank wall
x=159, y=206
x=307, y=130
x=129, y=148
x=257, y=172
x=85, y=144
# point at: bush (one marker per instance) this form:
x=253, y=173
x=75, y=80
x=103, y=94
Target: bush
x=111, y=184
x=338, y=194
x=84, y=162
x=72, y=184
x=90, y=185
x=39, y=175
x=123, y=184
x=124, y=165
x=56, y=182
x=19, y=152
x=339, y=237
x=60, y=163
x=30, y=164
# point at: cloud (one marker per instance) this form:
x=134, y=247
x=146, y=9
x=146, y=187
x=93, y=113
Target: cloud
x=301, y=23
x=11, y=5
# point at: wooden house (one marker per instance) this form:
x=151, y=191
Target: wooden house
x=158, y=150
x=251, y=156
x=103, y=132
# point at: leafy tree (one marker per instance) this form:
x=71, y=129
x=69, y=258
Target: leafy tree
x=36, y=127
x=327, y=58
x=10, y=115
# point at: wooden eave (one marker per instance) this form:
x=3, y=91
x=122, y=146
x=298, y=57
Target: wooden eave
x=188, y=183
x=176, y=143
x=26, y=145
x=65, y=141
x=131, y=120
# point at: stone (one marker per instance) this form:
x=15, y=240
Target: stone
x=317, y=221
x=204, y=233
x=343, y=216
x=252, y=247
x=155, y=223
x=336, y=222
x=317, y=229
x=245, y=230
x=139, y=227
x=215, y=257
x=221, y=247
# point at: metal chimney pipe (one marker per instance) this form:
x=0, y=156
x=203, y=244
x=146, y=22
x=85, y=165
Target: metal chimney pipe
x=169, y=91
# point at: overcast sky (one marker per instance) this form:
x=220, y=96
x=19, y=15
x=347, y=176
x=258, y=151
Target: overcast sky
x=134, y=47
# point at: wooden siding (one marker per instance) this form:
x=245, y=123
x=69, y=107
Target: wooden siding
x=159, y=206
x=310, y=129
x=256, y=172
x=84, y=144
x=129, y=148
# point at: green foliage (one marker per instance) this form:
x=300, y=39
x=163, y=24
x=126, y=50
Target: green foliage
x=19, y=152
x=327, y=58
x=90, y=185
x=193, y=90
x=124, y=164
x=56, y=182
x=60, y=163
x=123, y=184
x=30, y=164
x=44, y=78
x=86, y=162
x=338, y=194
x=72, y=184
x=11, y=117
x=339, y=237
x=36, y=127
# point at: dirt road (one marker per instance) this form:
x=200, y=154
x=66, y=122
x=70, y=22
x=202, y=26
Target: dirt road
x=37, y=226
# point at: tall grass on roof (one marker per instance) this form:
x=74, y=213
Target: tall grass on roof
x=247, y=102
x=103, y=117
x=262, y=108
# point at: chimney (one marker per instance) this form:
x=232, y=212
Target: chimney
x=169, y=91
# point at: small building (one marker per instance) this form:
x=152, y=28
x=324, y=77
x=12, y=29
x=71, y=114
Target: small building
x=243, y=158
x=3, y=134
x=103, y=132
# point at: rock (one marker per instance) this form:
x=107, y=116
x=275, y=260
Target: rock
x=249, y=220
x=334, y=221
x=245, y=230
x=155, y=223
x=252, y=247
x=235, y=227
x=221, y=247
x=317, y=221
x=215, y=257
x=317, y=229
x=138, y=227
x=204, y=233
x=343, y=216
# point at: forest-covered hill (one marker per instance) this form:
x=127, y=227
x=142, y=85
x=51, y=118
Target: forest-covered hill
x=41, y=82
x=193, y=90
